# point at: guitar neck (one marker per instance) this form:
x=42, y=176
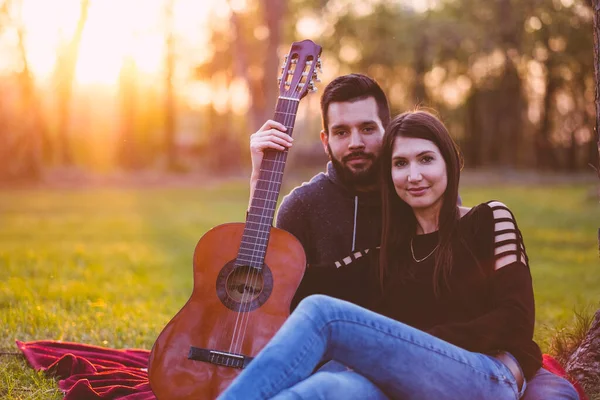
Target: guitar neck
x=264, y=200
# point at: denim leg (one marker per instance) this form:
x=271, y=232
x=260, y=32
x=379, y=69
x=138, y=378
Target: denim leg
x=403, y=362
x=333, y=366
x=346, y=385
x=545, y=385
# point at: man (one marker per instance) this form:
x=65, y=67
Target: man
x=337, y=215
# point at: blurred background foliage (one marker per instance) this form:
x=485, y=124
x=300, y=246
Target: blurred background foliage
x=178, y=85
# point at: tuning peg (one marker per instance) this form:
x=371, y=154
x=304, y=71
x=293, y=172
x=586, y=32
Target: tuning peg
x=315, y=77
x=319, y=65
x=279, y=81
x=312, y=87
x=294, y=61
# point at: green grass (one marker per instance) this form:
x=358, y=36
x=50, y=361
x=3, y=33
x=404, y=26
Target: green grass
x=111, y=266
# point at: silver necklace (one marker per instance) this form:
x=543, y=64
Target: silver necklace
x=412, y=251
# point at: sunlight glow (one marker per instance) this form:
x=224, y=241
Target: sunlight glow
x=109, y=37
x=310, y=26
x=422, y=5
x=114, y=30
x=198, y=94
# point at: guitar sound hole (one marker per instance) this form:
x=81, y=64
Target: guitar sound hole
x=244, y=284
x=243, y=288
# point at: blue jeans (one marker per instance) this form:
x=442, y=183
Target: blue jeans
x=387, y=359
x=545, y=385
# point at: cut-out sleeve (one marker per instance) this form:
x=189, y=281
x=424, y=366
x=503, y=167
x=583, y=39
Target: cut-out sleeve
x=508, y=241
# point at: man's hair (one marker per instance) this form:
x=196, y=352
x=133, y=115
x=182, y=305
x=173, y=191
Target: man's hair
x=351, y=88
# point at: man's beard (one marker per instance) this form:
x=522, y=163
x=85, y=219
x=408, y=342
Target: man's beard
x=365, y=177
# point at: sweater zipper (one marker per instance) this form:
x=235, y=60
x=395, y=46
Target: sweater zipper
x=354, y=230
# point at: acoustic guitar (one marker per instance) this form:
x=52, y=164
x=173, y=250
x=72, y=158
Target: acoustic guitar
x=245, y=275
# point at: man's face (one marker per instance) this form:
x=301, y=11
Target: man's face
x=354, y=140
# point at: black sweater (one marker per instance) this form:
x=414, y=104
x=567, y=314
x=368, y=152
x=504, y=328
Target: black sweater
x=334, y=223
x=483, y=310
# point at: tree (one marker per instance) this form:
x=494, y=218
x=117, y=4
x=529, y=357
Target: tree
x=33, y=130
x=596, y=25
x=583, y=364
x=245, y=48
x=23, y=142
x=263, y=86
x=128, y=156
x=65, y=74
x=170, y=101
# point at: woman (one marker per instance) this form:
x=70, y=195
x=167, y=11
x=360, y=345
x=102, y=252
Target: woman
x=455, y=314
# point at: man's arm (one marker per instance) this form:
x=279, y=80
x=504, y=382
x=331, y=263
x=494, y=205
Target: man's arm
x=270, y=136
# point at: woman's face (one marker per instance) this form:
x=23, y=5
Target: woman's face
x=419, y=173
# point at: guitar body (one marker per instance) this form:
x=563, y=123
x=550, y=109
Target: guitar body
x=230, y=311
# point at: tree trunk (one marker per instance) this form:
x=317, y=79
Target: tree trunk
x=421, y=67
x=241, y=66
x=545, y=153
x=510, y=101
x=473, y=130
x=128, y=156
x=263, y=93
x=510, y=104
x=596, y=21
x=33, y=128
x=572, y=150
x=584, y=364
x=274, y=11
x=170, y=102
x=21, y=147
x=66, y=64
x=596, y=25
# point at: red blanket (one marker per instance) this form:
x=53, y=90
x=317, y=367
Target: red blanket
x=92, y=372
x=554, y=366
x=88, y=372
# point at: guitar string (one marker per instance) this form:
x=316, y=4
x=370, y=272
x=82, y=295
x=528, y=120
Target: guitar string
x=236, y=340
x=263, y=230
x=290, y=109
x=272, y=192
x=246, y=297
x=237, y=336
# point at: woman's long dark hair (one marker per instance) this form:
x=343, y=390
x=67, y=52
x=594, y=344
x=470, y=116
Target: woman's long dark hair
x=399, y=221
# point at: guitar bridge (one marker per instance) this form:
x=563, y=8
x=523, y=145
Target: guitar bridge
x=226, y=359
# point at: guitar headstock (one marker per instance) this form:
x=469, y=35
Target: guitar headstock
x=300, y=69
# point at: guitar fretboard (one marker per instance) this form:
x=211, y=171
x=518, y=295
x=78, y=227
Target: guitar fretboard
x=264, y=201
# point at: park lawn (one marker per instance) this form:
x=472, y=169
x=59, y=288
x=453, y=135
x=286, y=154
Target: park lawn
x=110, y=267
